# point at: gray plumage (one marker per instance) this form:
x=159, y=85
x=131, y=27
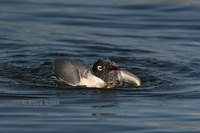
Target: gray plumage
x=69, y=71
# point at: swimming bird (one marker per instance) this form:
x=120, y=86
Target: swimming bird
x=103, y=73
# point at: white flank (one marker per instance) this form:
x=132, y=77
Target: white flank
x=92, y=81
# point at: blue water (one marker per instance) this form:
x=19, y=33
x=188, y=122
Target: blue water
x=157, y=40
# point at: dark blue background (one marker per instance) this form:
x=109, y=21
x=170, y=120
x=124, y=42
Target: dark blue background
x=158, y=40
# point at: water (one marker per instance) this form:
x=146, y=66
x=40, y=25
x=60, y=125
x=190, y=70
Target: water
x=157, y=40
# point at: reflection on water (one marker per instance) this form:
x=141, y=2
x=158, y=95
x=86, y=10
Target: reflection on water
x=187, y=125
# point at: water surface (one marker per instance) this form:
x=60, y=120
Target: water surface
x=156, y=40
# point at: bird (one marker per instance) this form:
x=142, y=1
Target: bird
x=103, y=74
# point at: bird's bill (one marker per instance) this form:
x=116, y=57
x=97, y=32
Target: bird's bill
x=115, y=68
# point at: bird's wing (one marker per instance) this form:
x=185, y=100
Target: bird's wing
x=69, y=71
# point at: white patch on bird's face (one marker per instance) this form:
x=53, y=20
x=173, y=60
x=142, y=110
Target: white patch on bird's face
x=100, y=68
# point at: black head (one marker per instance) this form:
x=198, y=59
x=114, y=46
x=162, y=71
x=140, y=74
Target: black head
x=103, y=67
